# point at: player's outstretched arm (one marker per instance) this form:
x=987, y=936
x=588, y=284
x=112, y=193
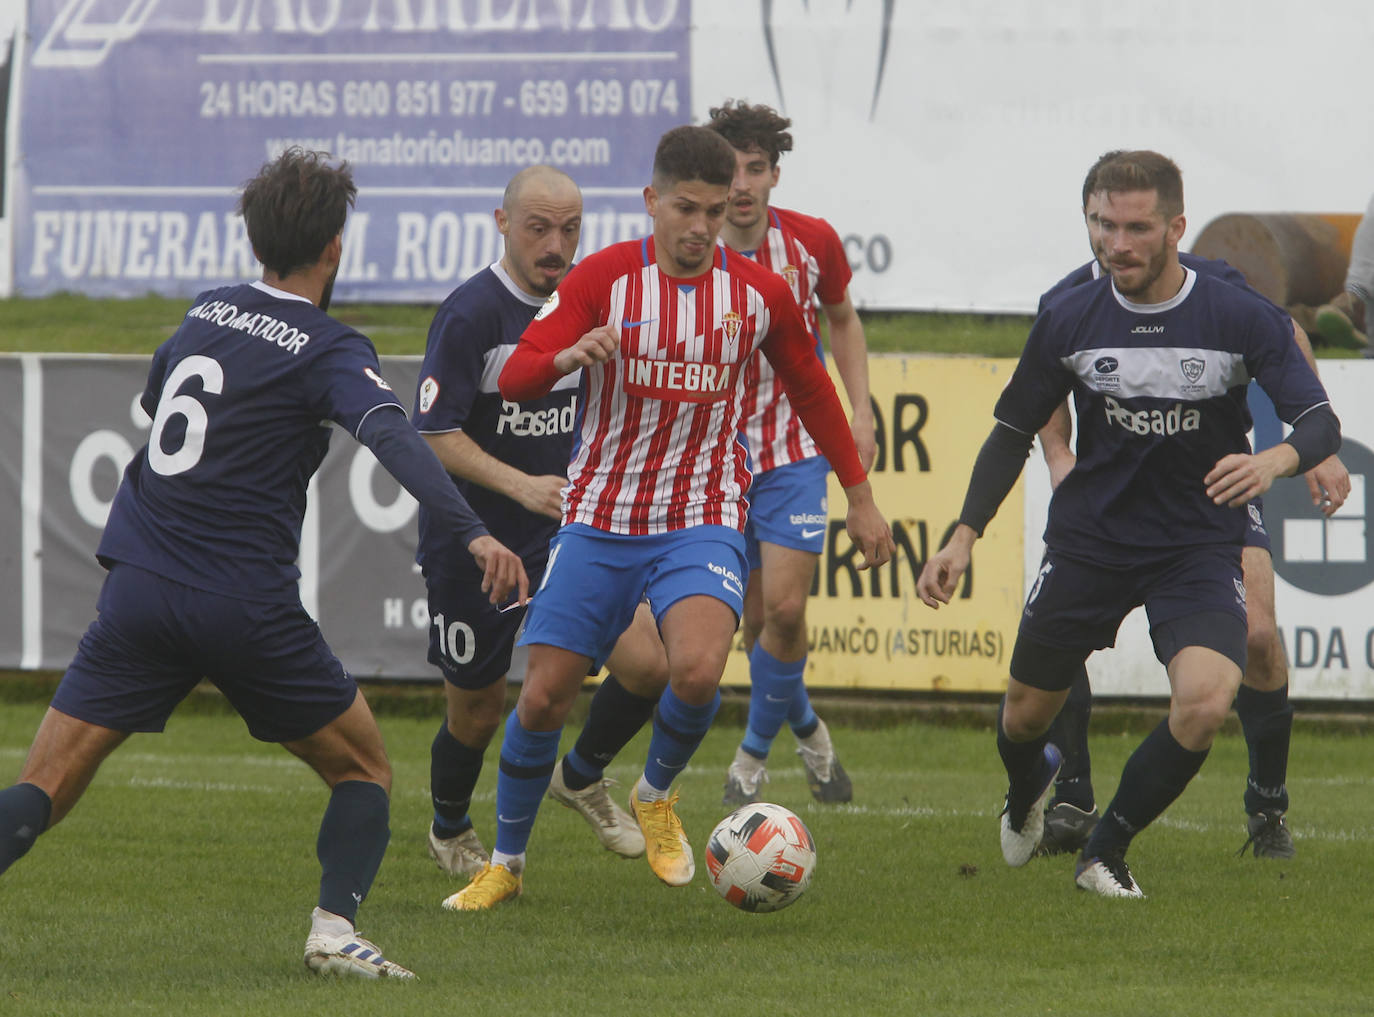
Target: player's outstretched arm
x=464, y=458
x=399, y=448
x=1239, y=478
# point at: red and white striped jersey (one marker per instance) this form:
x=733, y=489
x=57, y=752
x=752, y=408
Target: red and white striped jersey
x=808, y=254
x=657, y=446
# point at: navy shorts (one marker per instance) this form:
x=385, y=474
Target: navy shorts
x=1195, y=597
x=1255, y=533
x=595, y=580
x=788, y=507
x=154, y=639
x=471, y=639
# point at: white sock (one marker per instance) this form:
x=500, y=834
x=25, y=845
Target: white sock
x=646, y=792
x=326, y=923
x=514, y=864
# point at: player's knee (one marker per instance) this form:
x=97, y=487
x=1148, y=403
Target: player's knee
x=1196, y=721
x=786, y=618
x=544, y=707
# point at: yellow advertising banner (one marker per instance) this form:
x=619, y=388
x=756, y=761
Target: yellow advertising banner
x=869, y=630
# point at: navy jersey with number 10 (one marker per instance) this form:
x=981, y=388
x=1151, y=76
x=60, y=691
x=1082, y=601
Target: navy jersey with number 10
x=241, y=398
x=1159, y=392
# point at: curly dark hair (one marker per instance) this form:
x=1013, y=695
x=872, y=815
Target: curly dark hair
x=748, y=126
x=294, y=207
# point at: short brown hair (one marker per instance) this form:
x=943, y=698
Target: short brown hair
x=693, y=153
x=1090, y=181
x=746, y=127
x=1145, y=171
x=294, y=207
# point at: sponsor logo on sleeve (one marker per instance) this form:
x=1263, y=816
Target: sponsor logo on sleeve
x=377, y=379
x=429, y=391
x=549, y=307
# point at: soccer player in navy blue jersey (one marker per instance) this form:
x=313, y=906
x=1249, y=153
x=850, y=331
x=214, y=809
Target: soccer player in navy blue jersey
x=1262, y=703
x=1157, y=357
x=203, y=536
x=510, y=461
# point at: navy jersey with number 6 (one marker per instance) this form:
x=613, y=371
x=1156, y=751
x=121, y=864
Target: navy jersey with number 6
x=471, y=338
x=241, y=398
x=1159, y=392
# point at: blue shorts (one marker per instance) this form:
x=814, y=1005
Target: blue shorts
x=1077, y=605
x=595, y=580
x=1255, y=533
x=788, y=507
x=154, y=639
x=471, y=639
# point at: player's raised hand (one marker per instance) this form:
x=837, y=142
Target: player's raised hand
x=502, y=570
x=596, y=347
x=1329, y=483
x=943, y=569
x=867, y=527
x=544, y=495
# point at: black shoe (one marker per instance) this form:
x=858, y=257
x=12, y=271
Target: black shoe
x=1269, y=834
x=1067, y=829
x=1107, y=874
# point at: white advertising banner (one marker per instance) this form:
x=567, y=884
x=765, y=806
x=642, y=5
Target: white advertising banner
x=1323, y=567
x=946, y=142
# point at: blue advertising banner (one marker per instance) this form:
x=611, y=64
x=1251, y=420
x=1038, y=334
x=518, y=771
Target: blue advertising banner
x=141, y=118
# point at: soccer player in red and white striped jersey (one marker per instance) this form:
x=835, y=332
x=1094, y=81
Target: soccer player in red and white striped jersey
x=662, y=329
x=788, y=517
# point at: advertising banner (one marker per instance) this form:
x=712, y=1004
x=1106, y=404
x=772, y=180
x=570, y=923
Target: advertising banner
x=140, y=118
x=869, y=630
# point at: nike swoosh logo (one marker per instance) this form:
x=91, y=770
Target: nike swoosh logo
x=669, y=766
x=636, y=324
x=731, y=587
x=777, y=699
x=508, y=819
x=808, y=534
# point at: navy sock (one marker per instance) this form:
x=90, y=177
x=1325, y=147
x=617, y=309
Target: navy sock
x=774, y=684
x=1156, y=774
x=24, y=813
x=615, y=716
x=527, y=760
x=453, y=772
x=678, y=730
x=1021, y=759
x=1070, y=733
x=352, y=841
x=1266, y=718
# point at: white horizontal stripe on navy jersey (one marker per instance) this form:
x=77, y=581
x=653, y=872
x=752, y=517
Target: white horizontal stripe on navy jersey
x=494, y=361
x=1159, y=372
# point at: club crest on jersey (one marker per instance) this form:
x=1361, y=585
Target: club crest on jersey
x=377, y=379
x=790, y=273
x=1192, y=368
x=429, y=391
x=549, y=307
x=730, y=321
x=1106, y=365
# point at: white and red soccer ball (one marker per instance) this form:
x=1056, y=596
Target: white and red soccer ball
x=761, y=857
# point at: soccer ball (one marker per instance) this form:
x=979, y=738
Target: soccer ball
x=761, y=857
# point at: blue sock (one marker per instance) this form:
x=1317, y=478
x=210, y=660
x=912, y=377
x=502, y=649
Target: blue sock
x=800, y=717
x=1157, y=772
x=453, y=772
x=352, y=841
x=678, y=730
x=24, y=813
x=773, y=687
x=527, y=759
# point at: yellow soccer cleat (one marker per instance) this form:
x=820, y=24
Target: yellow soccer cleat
x=492, y=885
x=670, y=856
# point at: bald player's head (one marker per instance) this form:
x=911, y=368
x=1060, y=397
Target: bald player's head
x=540, y=219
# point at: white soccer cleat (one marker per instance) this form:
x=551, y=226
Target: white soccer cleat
x=1106, y=874
x=463, y=855
x=1023, y=821
x=349, y=954
x=615, y=828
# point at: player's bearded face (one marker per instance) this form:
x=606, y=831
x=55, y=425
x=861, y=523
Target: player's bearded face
x=541, y=234
x=687, y=219
x=1134, y=238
